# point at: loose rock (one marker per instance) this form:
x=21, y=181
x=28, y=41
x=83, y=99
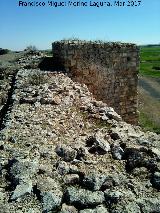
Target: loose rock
x=24, y=187
x=82, y=198
x=66, y=152
x=98, y=145
x=71, y=178
x=68, y=209
x=156, y=180
x=117, y=152
x=51, y=201
x=94, y=181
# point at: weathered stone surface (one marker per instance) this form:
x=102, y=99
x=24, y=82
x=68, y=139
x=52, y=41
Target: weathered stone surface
x=68, y=209
x=22, y=168
x=117, y=152
x=21, y=172
x=140, y=172
x=83, y=198
x=63, y=168
x=110, y=182
x=134, y=158
x=113, y=196
x=94, y=181
x=156, y=152
x=97, y=144
x=47, y=184
x=130, y=207
x=149, y=205
x=56, y=100
x=51, y=201
x=71, y=179
x=98, y=209
x=156, y=180
x=24, y=187
x=4, y=208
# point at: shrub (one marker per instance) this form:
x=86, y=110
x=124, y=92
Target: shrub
x=3, y=51
x=37, y=79
x=31, y=48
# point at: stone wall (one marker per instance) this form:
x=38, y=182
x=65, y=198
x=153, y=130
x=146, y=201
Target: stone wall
x=108, y=69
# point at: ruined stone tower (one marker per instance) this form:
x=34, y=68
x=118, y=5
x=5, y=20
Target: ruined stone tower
x=108, y=69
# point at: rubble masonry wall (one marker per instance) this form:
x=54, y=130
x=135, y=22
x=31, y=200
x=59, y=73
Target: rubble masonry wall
x=110, y=70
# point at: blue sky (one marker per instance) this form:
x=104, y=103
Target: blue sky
x=40, y=26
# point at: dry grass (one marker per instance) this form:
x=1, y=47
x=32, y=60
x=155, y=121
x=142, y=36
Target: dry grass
x=149, y=109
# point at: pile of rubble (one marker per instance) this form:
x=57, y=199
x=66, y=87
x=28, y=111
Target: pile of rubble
x=62, y=151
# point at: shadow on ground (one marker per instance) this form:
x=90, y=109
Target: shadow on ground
x=51, y=64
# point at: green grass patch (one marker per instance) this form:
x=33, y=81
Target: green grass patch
x=150, y=61
x=148, y=69
x=148, y=124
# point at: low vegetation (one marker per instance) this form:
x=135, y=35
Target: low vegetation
x=148, y=123
x=149, y=88
x=31, y=48
x=4, y=51
x=37, y=79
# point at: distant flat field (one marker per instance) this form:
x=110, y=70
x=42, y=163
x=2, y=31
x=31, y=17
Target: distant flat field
x=149, y=88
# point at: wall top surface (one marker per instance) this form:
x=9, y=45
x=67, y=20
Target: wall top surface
x=98, y=44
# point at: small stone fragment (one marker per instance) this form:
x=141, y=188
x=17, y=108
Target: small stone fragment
x=113, y=196
x=71, y=178
x=98, y=145
x=156, y=152
x=46, y=101
x=68, y=209
x=110, y=182
x=112, y=114
x=28, y=100
x=81, y=153
x=66, y=152
x=65, y=168
x=56, y=100
x=134, y=158
x=94, y=181
x=117, y=152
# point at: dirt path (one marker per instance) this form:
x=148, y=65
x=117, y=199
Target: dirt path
x=151, y=86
